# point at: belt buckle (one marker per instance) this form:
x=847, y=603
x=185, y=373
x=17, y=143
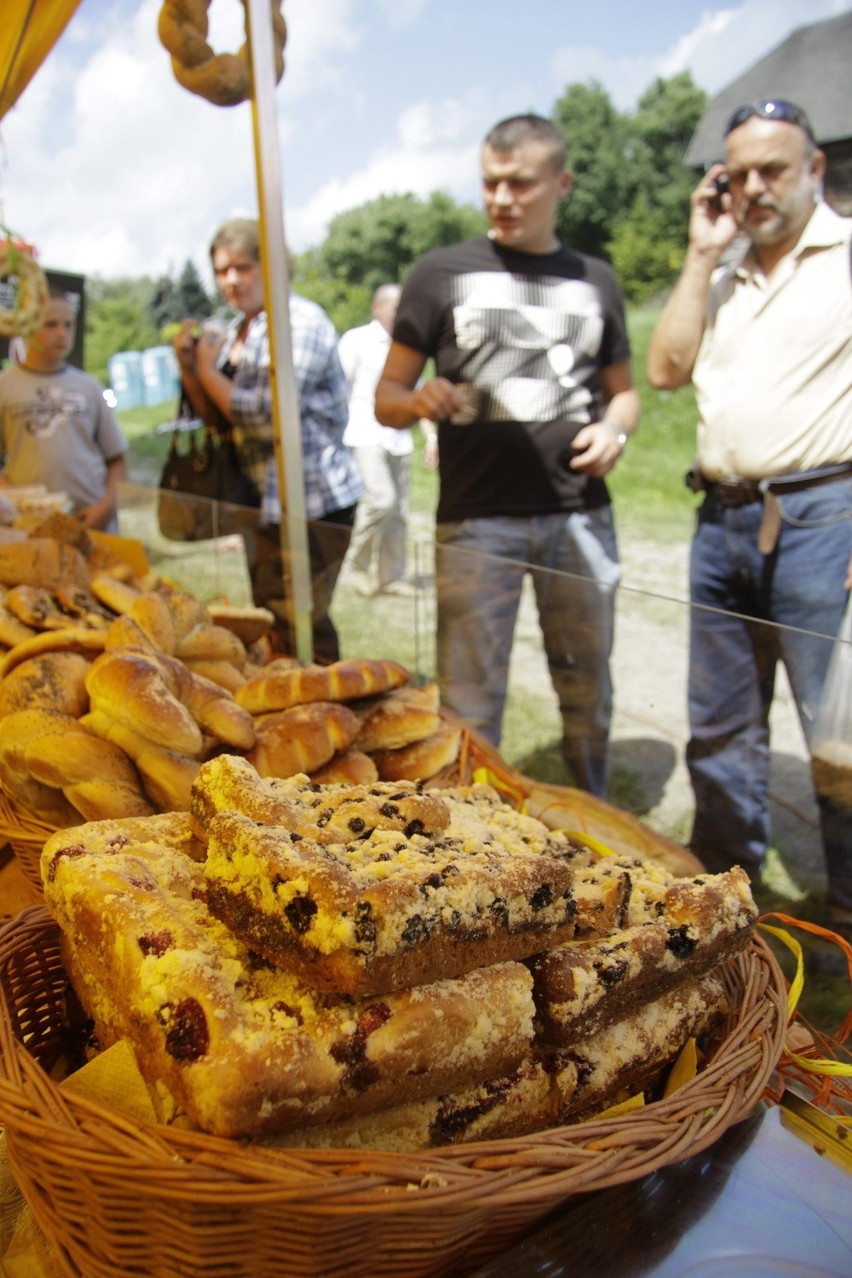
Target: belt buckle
x=735, y=491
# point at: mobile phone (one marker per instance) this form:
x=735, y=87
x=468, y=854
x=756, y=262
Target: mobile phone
x=722, y=186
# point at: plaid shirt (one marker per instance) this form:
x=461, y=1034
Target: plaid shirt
x=331, y=477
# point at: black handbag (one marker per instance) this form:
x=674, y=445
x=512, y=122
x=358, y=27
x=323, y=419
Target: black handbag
x=198, y=481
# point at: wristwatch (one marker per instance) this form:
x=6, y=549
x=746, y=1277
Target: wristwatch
x=621, y=436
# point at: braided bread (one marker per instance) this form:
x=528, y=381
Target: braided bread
x=157, y=696
x=276, y=689
x=32, y=292
x=221, y=78
x=302, y=738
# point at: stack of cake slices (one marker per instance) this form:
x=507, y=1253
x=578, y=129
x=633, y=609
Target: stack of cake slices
x=385, y=965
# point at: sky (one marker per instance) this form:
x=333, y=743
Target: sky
x=111, y=168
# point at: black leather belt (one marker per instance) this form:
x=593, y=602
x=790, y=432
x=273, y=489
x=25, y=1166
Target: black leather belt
x=735, y=491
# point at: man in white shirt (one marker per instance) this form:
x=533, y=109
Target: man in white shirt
x=377, y=552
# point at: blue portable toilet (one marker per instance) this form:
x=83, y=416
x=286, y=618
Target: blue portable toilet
x=160, y=374
x=125, y=375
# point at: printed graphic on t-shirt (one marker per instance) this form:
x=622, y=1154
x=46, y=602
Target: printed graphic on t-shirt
x=51, y=410
x=530, y=347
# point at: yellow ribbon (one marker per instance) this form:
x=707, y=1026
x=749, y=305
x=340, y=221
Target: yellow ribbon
x=829, y=1068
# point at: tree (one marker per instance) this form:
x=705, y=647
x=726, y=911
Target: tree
x=118, y=318
x=643, y=254
x=175, y=300
x=665, y=120
x=648, y=241
x=191, y=294
x=379, y=241
x=597, y=137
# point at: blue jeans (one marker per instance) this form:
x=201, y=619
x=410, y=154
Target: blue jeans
x=573, y=562
x=753, y=610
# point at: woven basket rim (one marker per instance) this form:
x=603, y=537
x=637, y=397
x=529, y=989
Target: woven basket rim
x=555, y=1162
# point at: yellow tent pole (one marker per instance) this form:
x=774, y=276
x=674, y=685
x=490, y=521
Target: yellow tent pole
x=276, y=283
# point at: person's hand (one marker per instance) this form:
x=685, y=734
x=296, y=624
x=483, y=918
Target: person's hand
x=97, y=515
x=596, y=448
x=711, y=227
x=207, y=350
x=184, y=345
x=436, y=400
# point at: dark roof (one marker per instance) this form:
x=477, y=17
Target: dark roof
x=811, y=68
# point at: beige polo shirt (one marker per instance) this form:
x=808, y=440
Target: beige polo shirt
x=773, y=376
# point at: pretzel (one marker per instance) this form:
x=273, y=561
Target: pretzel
x=32, y=292
x=222, y=78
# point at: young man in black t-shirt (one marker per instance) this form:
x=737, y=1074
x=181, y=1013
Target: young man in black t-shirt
x=534, y=398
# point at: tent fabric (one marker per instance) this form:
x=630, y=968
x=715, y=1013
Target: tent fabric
x=28, y=31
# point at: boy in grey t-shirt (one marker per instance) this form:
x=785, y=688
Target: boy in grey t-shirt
x=55, y=426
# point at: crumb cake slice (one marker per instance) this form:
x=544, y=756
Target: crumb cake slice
x=243, y=1048
x=545, y=1090
x=384, y=911
x=586, y=984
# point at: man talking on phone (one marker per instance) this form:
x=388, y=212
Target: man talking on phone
x=767, y=343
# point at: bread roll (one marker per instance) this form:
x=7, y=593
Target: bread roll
x=41, y=561
x=422, y=760
x=248, y=624
x=118, y=595
x=142, y=692
x=216, y=711
x=126, y=632
x=73, y=639
x=99, y=800
x=166, y=775
x=187, y=612
x=152, y=613
x=211, y=643
x=12, y=629
x=353, y=767
x=221, y=672
x=399, y=718
x=36, y=606
x=69, y=755
x=53, y=681
x=302, y=738
x=341, y=681
x=20, y=729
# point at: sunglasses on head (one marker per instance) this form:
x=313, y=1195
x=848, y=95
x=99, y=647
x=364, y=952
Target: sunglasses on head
x=771, y=109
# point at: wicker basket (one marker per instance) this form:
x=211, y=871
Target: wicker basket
x=114, y=1196
x=27, y=836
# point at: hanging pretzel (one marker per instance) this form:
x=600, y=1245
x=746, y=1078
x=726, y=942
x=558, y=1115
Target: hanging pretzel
x=221, y=78
x=31, y=294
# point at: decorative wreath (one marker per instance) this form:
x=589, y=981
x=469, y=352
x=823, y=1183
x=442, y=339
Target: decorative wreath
x=31, y=292
x=221, y=78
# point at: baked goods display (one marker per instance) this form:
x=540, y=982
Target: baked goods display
x=244, y=1048
x=363, y=889
x=383, y=965
x=545, y=1090
x=169, y=682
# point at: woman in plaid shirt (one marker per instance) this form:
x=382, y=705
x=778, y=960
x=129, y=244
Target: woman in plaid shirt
x=232, y=375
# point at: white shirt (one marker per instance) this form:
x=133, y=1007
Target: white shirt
x=363, y=352
x=774, y=371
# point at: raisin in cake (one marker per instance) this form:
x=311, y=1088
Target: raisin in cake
x=546, y=1089
x=587, y=983
x=243, y=1048
x=364, y=889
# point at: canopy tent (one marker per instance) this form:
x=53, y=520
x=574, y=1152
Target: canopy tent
x=29, y=29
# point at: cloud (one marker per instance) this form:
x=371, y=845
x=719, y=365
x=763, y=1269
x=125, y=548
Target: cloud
x=112, y=168
x=436, y=148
